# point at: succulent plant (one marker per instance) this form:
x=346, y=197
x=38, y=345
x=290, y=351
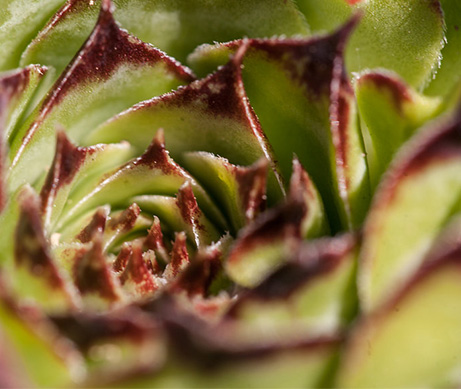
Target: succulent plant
x=257, y=193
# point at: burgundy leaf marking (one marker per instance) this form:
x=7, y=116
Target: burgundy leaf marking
x=302, y=189
x=92, y=274
x=221, y=94
x=67, y=162
x=190, y=210
x=154, y=241
x=398, y=91
x=151, y=261
x=96, y=226
x=86, y=330
x=311, y=261
x=342, y=100
x=107, y=49
x=31, y=246
x=310, y=63
x=123, y=257
x=282, y=223
x=301, y=185
x=252, y=188
x=179, y=257
x=198, y=276
x=126, y=220
x=137, y=278
x=157, y=157
x=215, y=347
x=11, y=87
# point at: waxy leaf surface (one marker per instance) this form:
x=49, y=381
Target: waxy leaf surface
x=415, y=201
x=101, y=81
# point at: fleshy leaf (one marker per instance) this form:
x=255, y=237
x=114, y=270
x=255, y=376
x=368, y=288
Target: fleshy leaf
x=215, y=107
x=306, y=106
x=405, y=36
x=176, y=26
x=315, y=223
x=274, y=364
x=311, y=295
x=94, y=278
x=326, y=15
x=36, y=274
x=271, y=239
x=75, y=170
x=175, y=216
x=154, y=240
x=102, y=80
x=241, y=191
x=116, y=342
x=179, y=257
x=415, y=201
x=266, y=244
x=137, y=280
x=448, y=74
x=425, y=316
x=197, y=278
x=41, y=349
x=153, y=172
x=19, y=24
x=392, y=112
x=16, y=90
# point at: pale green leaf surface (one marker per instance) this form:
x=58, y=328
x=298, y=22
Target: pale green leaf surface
x=93, y=89
x=306, y=107
x=417, y=198
x=392, y=112
x=414, y=342
x=20, y=20
x=449, y=72
x=175, y=27
x=35, y=351
x=405, y=36
x=17, y=88
x=210, y=115
x=325, y=15
x=167, y=210
x=321, y=305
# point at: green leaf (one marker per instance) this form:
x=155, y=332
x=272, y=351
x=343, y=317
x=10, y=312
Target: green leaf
x=176, y=26
x=17, y=88
x=392, y=112
x=405, y=36
x=311, y=295
x=152, y=173
x=449, y=72
x=211, y=114
x=306, y=105
x=75, y=171
x=267, y=243
x=425, y=317
x=19, y=23
x=100, y=82
x=35, y=274
x=239, y=190
x=36, y=342
x=181, y=214
x=325, y=15
x=418, y=196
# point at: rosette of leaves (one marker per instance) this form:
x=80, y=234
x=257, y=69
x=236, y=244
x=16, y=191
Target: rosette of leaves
x=279, y=209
